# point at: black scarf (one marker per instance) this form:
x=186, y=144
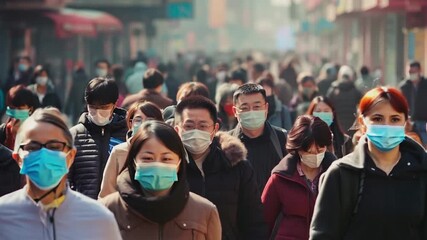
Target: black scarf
x=156, y=209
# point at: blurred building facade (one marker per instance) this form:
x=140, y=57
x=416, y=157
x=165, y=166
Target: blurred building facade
x=382, y=34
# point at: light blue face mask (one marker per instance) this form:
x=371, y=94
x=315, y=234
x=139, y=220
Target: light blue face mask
x=45, y=167
x=156, y=176
x=385, y=137
x=20, y=114
x=135, y=128
x=100, y=72
x=252, y=120
x=327, y=117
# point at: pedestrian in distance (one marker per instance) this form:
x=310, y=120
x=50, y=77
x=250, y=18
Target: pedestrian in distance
x=153, y=199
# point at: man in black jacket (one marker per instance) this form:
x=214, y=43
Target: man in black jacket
x=10, y=179
x=415, y=91
x=218, y=171
x=99, y=129
x=265, y=143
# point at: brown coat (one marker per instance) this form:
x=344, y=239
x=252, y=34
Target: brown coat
x=198, y=220
x=149, y=96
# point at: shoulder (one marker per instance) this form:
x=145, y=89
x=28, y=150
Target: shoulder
x=196, y=202
x=86, y=205
x=9, y=201
x=111, y=200
x=121, y=148
x=233, y=148
x=78, y=128
x=280, y=131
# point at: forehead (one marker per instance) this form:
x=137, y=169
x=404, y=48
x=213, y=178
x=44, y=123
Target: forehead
x=414, y=69
x=323, y=106
x=36, y=131
x=308, y=84
x=250, y=98
x=383, y=108
x=196, y=114
x=102, y=64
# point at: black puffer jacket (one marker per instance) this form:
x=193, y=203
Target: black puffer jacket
x=416, y=99
x=94, y=145
x=357, y=200
x=230, y=183
x=10, y=179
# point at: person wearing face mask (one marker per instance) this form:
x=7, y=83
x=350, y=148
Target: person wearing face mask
x=265, y=143
x=307, y=90
x=138, y=113
x=278, y=114
x=217, y=169
x=322, y=108
x=292, y=188
x=344, y=95
x=102, y=68
x=379, y=190
x=20, y=73
x=46, y=208
x=415, y=91
x=224, y=104
x=153, y=199
x=21, y=103
x=43, y=88
x=100, y=128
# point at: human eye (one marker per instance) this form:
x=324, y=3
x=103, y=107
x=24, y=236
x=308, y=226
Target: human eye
x=376, y=119
x=55, y=146
x=257, y=107
x=395, y=119
x=32, y=146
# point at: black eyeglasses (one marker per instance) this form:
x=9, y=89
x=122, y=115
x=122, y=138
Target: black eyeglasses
x=51, y=145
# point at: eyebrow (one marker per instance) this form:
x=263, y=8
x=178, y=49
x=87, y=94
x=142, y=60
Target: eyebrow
x=380, y=115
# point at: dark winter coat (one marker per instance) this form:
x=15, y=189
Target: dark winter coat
x=287, y=193
x=357, y=200
x=94, y=144
x=265, y=151
x=229, y=182
x=416, y=99
x=345, y=97
x=10, y=179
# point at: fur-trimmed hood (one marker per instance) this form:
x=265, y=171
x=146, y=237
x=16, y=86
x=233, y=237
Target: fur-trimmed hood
x=233, y=148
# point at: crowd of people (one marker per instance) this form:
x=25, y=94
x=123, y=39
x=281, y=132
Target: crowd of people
x=190, y=152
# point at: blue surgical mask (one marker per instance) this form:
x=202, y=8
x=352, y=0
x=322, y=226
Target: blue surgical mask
x=22, y=67
x=252, y=120
x=327, y=117
x=385, y=137
x=20, y=114
x=156, y=176
x=100, y=72
x=45, y=168
x=135, y=128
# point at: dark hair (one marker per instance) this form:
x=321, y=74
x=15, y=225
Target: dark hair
x=165, y=134
x=38, y=70
x=238, y=74
x=192, y=89
x=103, y=61
x=101, y=91
x=27, y=58
x=47, y=115
x=162, y=67
x=248, y=89
x=152, y=78
x=308, y=130
x=148, y=108
x=196, y=102
x=376, y=95
x=415, y=64
x=19, y=96
x=364, y=70
x=259, y=67
x=266, y=81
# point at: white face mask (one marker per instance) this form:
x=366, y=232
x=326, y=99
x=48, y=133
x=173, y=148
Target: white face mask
x=414, y=76
x=101, y=72
x=252, y=120
x=196, y=141
x=42, y=81
x=99, y=116
x=312, y=160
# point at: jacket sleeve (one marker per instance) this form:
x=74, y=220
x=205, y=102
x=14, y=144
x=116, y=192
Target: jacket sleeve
x=326, y=222
x=109, y=178
x=250, y=221
x=214, y=226
x=271, y=202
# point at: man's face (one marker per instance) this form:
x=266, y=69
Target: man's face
x=414, y=70
x=102, y=65
x=250, y=102
x=198, y=118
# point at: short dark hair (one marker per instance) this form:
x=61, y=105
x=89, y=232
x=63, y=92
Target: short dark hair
x=259, y=67
x=101, y=91
x=415, y=64
x=152, y=78
x=192, y=89
x=266, y=81
x=247, y=89
x=103, y=61
x=196, y=102
x=364, y=70
x=308, y=130
x=165, y=134
x=149, y=109
x=19, y=96
x=239, y=74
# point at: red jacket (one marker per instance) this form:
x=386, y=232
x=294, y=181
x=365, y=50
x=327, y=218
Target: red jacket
x=287, y=193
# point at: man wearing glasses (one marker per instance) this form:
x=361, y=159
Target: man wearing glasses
x=218, y=171
x=265, y=143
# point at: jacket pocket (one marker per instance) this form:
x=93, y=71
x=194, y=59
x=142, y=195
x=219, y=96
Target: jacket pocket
x=196, y=230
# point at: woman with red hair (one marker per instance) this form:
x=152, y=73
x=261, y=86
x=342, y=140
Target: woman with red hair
x=380, y=190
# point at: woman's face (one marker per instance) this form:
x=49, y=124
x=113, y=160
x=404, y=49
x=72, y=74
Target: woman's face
x=314, y=149
x=153, y=150
x=138, y=118
x=382, y=114
x=322, y=107
x=43, y=74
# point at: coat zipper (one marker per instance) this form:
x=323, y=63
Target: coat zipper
x=160, y=231
x=102, y=131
